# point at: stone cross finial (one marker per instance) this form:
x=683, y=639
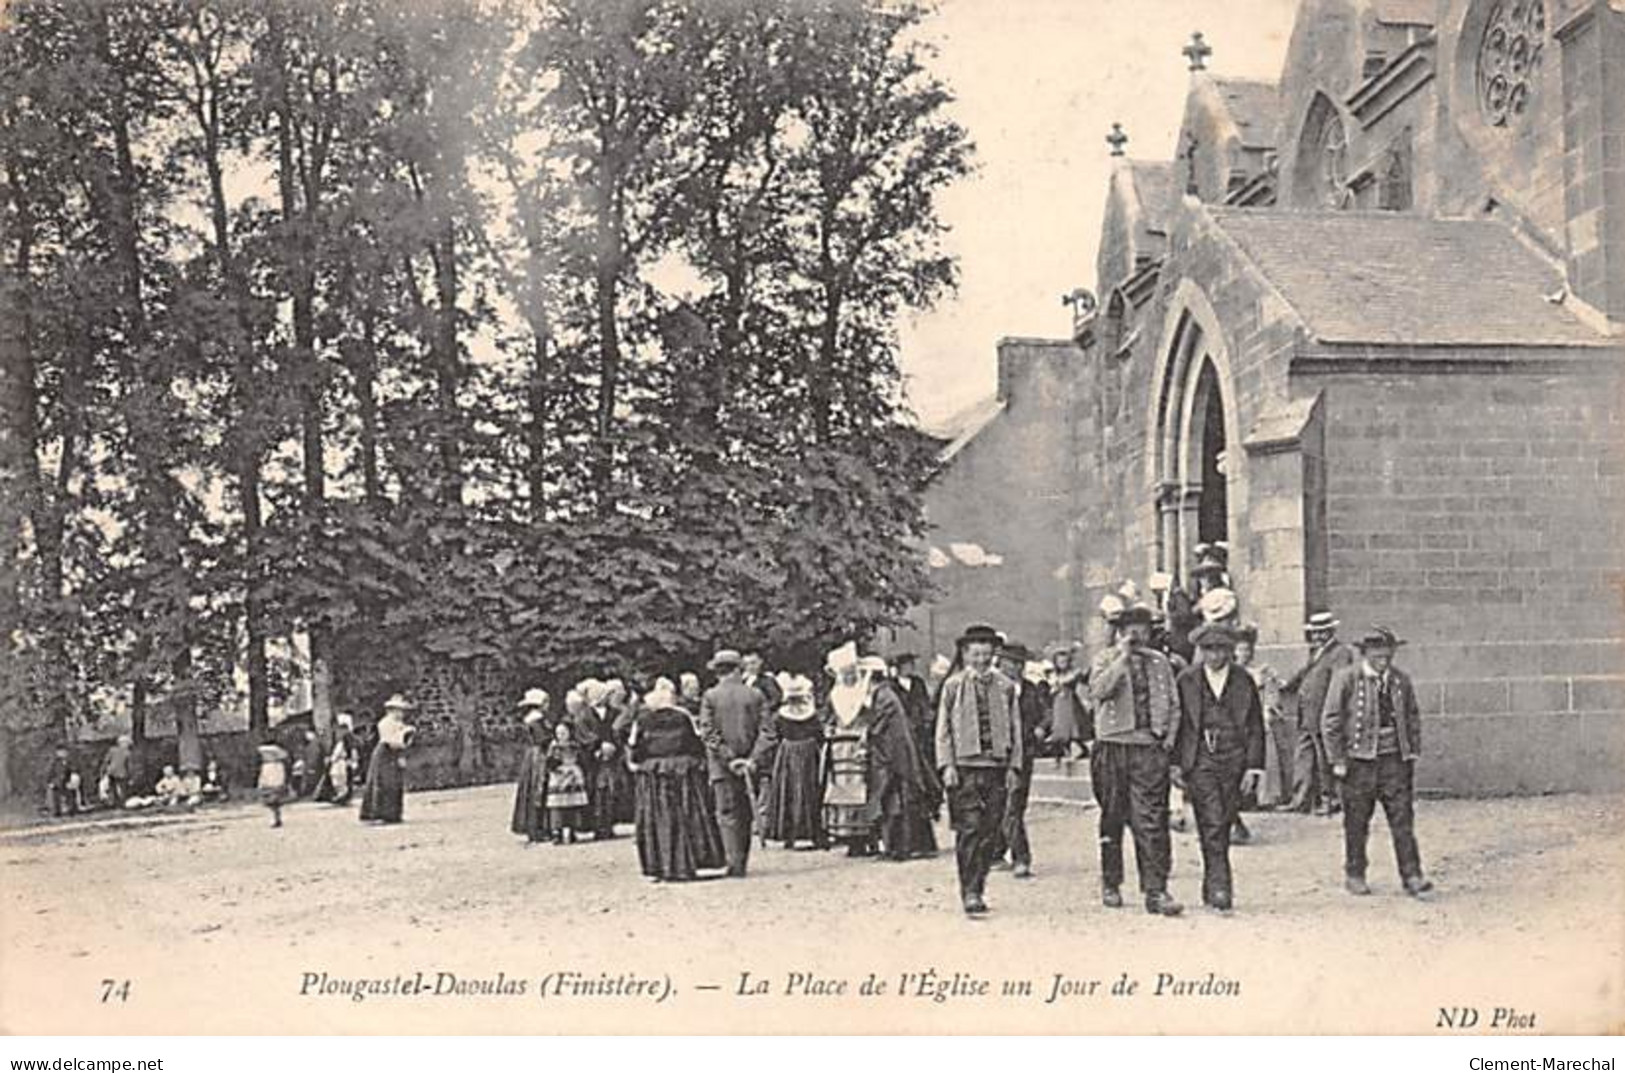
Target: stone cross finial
x=1117, y=139
x=1197, y=52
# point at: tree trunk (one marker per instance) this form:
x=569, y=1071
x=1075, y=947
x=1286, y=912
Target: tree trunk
x=144, y=415
x=540, y=376
x=247, y=445
x=610, y=253
x=300, y=258
x=448, y=365
x=366, y=373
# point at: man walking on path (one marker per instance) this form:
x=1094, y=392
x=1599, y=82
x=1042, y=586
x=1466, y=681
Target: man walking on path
x=1136, y=722
x=1219, y=751
x=1373, y=733
x=738, y=735
x=1312, y=784
x=979, y=748
x=1032, y=705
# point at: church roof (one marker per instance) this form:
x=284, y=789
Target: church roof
x=1404, y=12
x=1393, y=279
x=960, y=428
x=1254, y=106
x=1154, y=187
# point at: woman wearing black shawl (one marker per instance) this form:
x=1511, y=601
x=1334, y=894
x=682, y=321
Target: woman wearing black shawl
x=675, y=813
x=530, y=793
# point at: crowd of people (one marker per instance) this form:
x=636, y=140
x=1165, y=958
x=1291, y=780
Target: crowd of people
x=866, y=759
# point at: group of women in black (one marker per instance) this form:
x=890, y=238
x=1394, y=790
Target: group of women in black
x=848, y=769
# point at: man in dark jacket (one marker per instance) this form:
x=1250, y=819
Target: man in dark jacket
x=738, y=739
x=1313, y=787
x=1032, y=702
x=1219, y=750
x=752, y=674
x=1373, y=734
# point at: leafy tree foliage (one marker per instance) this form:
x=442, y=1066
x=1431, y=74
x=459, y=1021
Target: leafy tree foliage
x=554, y=338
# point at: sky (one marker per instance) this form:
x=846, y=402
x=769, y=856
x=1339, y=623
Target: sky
x=1038, y=85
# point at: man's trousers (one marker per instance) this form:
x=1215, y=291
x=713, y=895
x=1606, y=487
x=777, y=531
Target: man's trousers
x=1389, y=779
x=1214, y=789
x=735, y=814
x=976, y=809
x=1131, y=787
x=1013, y=833
x=1312, y=783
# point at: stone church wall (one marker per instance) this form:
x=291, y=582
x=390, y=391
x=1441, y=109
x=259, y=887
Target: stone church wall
x=1482, y=515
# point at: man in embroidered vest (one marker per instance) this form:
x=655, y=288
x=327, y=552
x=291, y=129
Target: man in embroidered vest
x=1313, y=787
x=1373, y=734
x=1136, y=723
x=979, y=749
x=1219, y=751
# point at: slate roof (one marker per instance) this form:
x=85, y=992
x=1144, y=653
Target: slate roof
x=962, y=427
x=1256, y=108
x=1154, y=186
x=1393, y=279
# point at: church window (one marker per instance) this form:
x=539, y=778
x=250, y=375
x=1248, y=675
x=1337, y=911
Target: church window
x=1394, y=185
x=1509, y=59
x=1333, y=145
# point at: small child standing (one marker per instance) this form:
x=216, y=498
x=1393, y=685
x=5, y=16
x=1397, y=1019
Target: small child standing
x=273, y=781
x=566, y=785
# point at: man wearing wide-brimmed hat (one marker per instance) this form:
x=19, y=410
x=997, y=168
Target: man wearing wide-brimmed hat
x=1219, y=751
x=1136, y=723
x=1313, y=788
x=1373, y=735
x=979, y=749
x=733, y=724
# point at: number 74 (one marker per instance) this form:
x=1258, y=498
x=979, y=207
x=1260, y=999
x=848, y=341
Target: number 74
x=115, y=989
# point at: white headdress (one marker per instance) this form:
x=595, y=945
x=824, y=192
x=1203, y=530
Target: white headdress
x=839, y=659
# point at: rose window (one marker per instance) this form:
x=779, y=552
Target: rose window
x=1509, y=59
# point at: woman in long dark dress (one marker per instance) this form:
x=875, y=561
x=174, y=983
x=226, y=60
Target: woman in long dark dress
x=609, y=784
x=903, y=790
x=384, y=798
x=675, y=812
x=795, y=795
x=530, y=794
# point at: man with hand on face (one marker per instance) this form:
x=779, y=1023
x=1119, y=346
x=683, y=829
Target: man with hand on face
x=1219, y=750
x=1373, y=734
x=1136, y=722
x=979, y=749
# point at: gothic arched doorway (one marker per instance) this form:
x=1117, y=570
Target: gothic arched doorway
x=1192, y=444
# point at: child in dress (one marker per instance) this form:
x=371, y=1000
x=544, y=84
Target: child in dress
x=566, y=785
x=273, y=781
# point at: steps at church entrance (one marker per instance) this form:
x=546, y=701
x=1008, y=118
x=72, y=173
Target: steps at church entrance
x=1062, y=782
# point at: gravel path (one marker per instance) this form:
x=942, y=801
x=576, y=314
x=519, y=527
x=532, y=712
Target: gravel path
x=219, y=922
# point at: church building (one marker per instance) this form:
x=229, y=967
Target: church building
x=1368, y=328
